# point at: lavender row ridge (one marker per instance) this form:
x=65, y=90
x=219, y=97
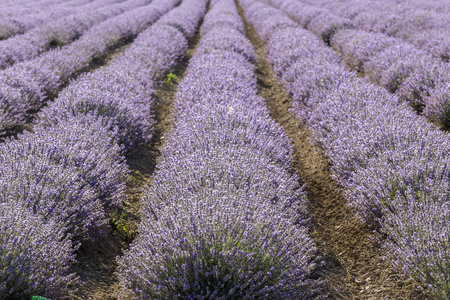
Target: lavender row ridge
x=413, y=75
x=28, y=7
x=224, y=215
x=62, y=31
x=64, y=178
x=25, y=87
x=392, y=165
x=17, y=18
x=423, y=24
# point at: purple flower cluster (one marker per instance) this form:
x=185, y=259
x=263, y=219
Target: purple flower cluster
x=31, y=246
x=110, y=94
x=321, y=22
x=425, y=24
x=70, y=172
x=219, y=18
x=25, y=87
x=121, y=93
x=434, y=41
x=65, y=175
x=62, y=31
x=412, y=74
x=17, y=18
x=396, y=65
x=393, y=166
x=224, y=217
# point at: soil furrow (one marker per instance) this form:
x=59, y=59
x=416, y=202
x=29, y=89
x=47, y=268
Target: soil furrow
x=354, y=259
x=96, y=263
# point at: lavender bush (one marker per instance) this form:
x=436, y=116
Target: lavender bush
x=179, y=20
x=69, y=172
x=295, y=46
x=411, y=74
x=435, y=41
x=222, y=16
x=90, y=146
x=184, y=254
x=35, y=80
x=224, y=215
x=66, y=176
x=228, y=39
x=275, y=22
x=422, y=24
x=358, y=47
x=60, y=32
x=17, y=18
x=298, y=11
x=392, y=165
x=121, y=93
x=323, y=23
x=399, y=67
x=438, y=105
x=418, y=87
x=35, y=256
x=101, y=94
x=392, y=66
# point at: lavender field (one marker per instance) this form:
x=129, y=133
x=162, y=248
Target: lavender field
x=224, y=149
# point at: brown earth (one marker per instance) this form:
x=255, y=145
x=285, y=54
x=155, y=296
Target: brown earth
x=355, y=265
x=96, y=263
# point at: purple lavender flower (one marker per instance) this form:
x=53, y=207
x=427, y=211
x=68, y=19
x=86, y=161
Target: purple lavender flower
x=17, y=18
x=87, y=144
x=54, y=191
x=41, y=77
x=224, y=216
x=392, y=165
x=438, y=105
x=392, y=63
x=357, y=47
x=35, y=255
x=61, y=31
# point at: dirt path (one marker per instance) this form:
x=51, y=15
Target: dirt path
x=354, y=266
x=96, y=263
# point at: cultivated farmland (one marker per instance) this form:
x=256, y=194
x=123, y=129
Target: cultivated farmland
x=224, y=149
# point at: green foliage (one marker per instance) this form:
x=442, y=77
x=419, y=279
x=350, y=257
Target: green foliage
x=118, y=223
x=171, y=78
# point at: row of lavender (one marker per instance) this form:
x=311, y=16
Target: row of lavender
x=26, y=86
x=62, y=31
x=413, y=75
x=392, y=165
x=24, y=7
x=224, y=217
x=16, y=18
x=58, y=183
x=29, y=5
x=424, y=26
x=11, y=8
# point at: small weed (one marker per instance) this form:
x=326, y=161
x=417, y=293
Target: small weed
x=171, y=78
x=118, y=223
